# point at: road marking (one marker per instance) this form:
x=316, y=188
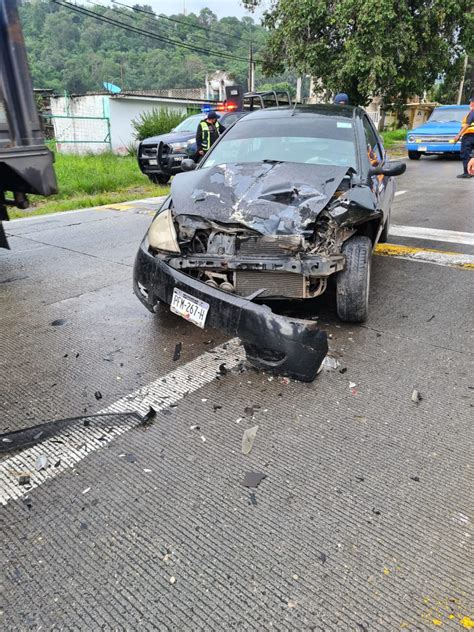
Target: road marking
x=399, y=192
x=425, y=255
x=432, y=234
x=82, y=441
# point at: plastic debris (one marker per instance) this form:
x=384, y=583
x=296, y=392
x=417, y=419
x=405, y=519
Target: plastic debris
x=7, y=441
x=216, y=407
x=98, y=395
x=253, y=479
x=172, y=580
x=41, y=462
x=330, y=363
x=222, y=369
x=248, y=438
x=59, y=322
x=343, y=370
x=416, y=396
x=352, y=384
x=87, y=489
x=146, y=420
x=195, y=427
x=177, y=351
x=322, y=557
x=24, y=478
x=415, y=478
x=130, y=457
x=253, y=499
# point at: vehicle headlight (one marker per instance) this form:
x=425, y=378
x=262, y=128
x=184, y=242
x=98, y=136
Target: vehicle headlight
x=411, y=138
x=178, y=148
x=162, y=233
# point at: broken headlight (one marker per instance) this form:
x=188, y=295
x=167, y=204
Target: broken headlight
x=162, y=233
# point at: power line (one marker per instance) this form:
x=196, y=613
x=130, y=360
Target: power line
x=138, y=31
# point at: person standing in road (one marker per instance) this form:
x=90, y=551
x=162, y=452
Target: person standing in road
x=467, y=139
x=207, y=133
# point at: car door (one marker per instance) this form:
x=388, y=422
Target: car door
x=383, y=185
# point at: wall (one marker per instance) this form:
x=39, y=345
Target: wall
x=81, y=123
x=124, y=110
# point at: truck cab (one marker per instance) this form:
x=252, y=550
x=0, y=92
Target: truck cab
x=437, y=134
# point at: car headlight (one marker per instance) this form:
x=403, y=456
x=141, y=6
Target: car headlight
x=178, y=148
x=411, y=139
x=162, y=233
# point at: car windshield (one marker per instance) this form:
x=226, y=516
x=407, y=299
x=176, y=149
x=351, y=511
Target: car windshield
x=448, y=115
x=190, y=124
x=303, y=139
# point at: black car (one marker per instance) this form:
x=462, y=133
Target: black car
x=160, y=157
x=285, y=199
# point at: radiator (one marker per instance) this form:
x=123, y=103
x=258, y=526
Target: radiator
x=281, y=284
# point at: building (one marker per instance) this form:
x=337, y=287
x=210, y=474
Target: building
x=101, y=121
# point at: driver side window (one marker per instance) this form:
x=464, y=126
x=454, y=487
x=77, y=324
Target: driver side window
x=373, y=148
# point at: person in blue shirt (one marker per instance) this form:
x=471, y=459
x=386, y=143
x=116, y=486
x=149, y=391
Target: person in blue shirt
x=467, y=139
x=341, y=98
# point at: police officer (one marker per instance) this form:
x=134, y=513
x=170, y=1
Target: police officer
x=207, y=133
x=467, y=139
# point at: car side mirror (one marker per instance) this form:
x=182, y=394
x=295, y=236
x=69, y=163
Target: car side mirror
x=392, y=168
x=188, y=164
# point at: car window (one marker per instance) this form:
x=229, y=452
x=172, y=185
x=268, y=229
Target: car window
x=190, y=124
x=449, y=115
x=309, y=140
x=230, y=119
x=373, y=148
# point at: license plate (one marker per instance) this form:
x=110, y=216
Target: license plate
x=422, y=148
x=153, y=161
x=189, y=308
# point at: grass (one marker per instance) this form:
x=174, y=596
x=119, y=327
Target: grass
x=92, y=180
x=393, y=137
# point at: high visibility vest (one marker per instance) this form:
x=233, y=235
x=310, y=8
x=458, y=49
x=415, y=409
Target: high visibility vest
x=470, y=129
x=206, y=134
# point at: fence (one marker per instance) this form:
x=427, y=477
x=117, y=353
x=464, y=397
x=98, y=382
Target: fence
x=80, y=134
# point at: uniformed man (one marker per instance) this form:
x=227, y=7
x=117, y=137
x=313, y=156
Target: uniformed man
x=467, y=139
x=207, y=133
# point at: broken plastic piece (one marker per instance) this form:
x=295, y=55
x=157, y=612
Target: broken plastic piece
x=416, y=396
x=98, y=395
x=177, y=351
x=253, y=479
x=330, y=363
x=146, y=420
x=24, y=478
x=248, y=438
x=41, y=462
x=58, y=322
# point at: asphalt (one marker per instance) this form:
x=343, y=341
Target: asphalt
x=364, y=518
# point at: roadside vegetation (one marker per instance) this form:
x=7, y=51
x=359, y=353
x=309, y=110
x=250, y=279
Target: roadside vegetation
x=394, y=137
x=92, y=180
x=156, y=122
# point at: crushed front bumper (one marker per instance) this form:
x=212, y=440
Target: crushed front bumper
x=278, y=344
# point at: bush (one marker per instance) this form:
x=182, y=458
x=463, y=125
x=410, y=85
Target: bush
x=158, y=121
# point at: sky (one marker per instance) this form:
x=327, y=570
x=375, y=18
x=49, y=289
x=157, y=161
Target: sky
x=221, y=8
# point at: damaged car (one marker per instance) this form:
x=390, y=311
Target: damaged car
x=285, y=199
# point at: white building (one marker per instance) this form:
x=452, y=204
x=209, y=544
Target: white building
x=103, y=121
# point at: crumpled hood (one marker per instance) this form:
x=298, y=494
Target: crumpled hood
x=272, y=198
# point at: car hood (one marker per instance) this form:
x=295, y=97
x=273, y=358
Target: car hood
x=172, y=137
x=437, y=127
x=272, y=198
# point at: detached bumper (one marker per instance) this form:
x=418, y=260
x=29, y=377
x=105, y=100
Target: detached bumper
x=278, y=344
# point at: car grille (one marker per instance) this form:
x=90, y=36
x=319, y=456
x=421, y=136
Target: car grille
x=269, y=247
x=434, y=139
x=276, y=283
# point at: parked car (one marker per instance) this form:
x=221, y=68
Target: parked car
x=285, y=199
x=437, y=134
x=160, y=157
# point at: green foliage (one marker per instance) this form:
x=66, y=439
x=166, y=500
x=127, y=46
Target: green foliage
x=92, y=180
x=158, y=121
x=282, y=85
x=393, y=137
x=389, y=48
x=77, y=53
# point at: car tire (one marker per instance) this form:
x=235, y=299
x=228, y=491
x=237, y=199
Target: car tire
x=414, y=155
x=160, y=178
x=353, y=283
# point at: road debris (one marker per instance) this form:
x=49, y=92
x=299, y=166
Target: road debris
x=195, y=427
x=416, y=396
x=415, y=478
x=329, y=363
x=86, y=490
x=216, y=407
x=58, y=322
x=343, y=370
x=177, y=351
x=41, y=462
x=253, y=479
x=24, y=478
x=146, y=420
x=352, y=385
x=253, y=499
x=98, y=395
x=172, y=580
x=222, y=370
x=248, y=438
x=322, y=557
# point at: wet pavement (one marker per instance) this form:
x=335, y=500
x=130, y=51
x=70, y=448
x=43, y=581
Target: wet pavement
x=363, y=520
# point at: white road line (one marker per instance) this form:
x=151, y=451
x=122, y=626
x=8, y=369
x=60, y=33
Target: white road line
x=432, y=234
x=81, y=441
x=399, y=192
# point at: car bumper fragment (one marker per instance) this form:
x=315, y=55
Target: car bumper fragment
x=278, y=344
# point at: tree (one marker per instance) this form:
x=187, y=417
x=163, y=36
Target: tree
x=389, y=48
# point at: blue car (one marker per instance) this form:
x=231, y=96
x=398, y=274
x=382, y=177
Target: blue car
x=437, y=134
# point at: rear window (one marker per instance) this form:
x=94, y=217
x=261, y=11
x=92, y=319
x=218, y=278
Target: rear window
x=302, y=139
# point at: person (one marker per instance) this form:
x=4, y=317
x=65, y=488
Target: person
x=466, y=135
x=341, y=98
x=207, y=133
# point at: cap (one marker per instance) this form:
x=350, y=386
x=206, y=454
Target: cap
x=341, y=98
x=212, y=114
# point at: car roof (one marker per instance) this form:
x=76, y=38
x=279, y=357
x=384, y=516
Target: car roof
x=319, y=110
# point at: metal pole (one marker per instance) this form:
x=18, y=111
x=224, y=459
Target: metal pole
x=461, y=84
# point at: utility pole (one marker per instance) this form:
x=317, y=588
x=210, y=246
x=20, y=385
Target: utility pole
x=461, y=84
x=251, y=77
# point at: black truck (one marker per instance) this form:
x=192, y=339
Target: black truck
x=26, y=164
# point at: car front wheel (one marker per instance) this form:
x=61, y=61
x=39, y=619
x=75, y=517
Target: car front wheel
x=159, y=178
x=353, y=283
x=414, y=155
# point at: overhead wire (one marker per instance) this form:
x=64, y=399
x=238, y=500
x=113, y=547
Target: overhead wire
x=149, y=34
